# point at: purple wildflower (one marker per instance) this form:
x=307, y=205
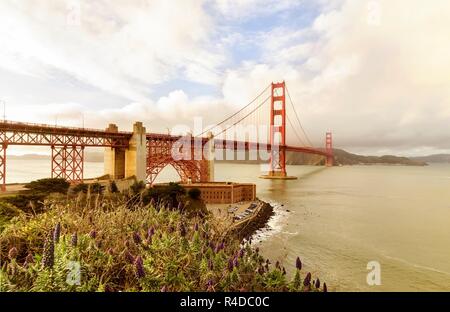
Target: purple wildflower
x=241, y=252
x=48, y=258
x=325, y=289
x=57, y=232
x=298, y=263
x=235, y=262
x=93, y=234
x=317, y=284
x=137, y=238
x=139, y=265
x=196, y=227
x=230, y=265
x=307, y=280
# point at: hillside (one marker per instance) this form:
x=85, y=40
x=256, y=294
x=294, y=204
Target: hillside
x=342, y=158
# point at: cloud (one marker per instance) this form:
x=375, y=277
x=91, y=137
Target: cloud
x=380, y=83
x=123, y=48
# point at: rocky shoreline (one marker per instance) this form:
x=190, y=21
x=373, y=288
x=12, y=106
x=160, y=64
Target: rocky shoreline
x=246, y=228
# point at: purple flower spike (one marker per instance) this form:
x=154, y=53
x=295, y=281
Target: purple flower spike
x=139, y=264
x=235, y=262
x=317, y=283
x=298, y=263
x=196, y=227
x=325, y=289
x=307, y=280
x=57, y=232
x=241, y=252
x=137, y=238
x=93, y=234
x=230, y=265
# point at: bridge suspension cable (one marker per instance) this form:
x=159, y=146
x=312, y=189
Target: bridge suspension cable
x=298, y=118
x=236, y=113
x=243, y=118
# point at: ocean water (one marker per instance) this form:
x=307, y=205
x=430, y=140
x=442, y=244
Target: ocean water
x=339, y=219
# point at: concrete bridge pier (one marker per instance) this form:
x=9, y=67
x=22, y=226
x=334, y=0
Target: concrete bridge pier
x=122, y=163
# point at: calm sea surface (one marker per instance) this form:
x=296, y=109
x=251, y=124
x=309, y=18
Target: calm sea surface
x=339, y=219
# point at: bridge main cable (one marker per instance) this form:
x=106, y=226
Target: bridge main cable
x=233, y=115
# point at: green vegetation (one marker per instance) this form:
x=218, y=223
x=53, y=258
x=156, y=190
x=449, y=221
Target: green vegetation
x=131, y=247
x=194, y=193
x=113, y=187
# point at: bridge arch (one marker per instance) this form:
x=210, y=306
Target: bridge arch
x=188, y=170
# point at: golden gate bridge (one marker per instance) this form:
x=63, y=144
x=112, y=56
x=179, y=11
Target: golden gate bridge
x=144, y=155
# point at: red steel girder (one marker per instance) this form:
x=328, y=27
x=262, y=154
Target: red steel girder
x=68, y=163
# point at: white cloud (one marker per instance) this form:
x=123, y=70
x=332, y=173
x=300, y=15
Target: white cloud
x=121, y=48
x=379, y=87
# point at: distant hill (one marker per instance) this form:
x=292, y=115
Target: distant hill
x=345, y=158
x=89, y=156
x=342, y=158
x=436, y=158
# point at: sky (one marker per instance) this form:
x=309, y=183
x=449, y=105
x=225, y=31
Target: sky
x=375, y=73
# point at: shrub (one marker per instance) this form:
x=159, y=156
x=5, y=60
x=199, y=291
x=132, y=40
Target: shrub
x=113, y=187
x=194, y=193
x=96, y=188
x=47, y=186
x=137, y=187
x=80, y=188
x=169, y=195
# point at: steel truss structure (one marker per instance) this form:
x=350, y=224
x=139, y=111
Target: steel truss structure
x=192, y=167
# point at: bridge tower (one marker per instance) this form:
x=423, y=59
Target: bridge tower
x=329, y=149
x=277, y=162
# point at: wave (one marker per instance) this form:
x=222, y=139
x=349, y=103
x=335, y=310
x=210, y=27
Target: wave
x=275, y=224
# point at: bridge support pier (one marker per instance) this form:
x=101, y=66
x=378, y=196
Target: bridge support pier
x=329, y=149
x=136, y=154
x=114, y=158
x=122, y=163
